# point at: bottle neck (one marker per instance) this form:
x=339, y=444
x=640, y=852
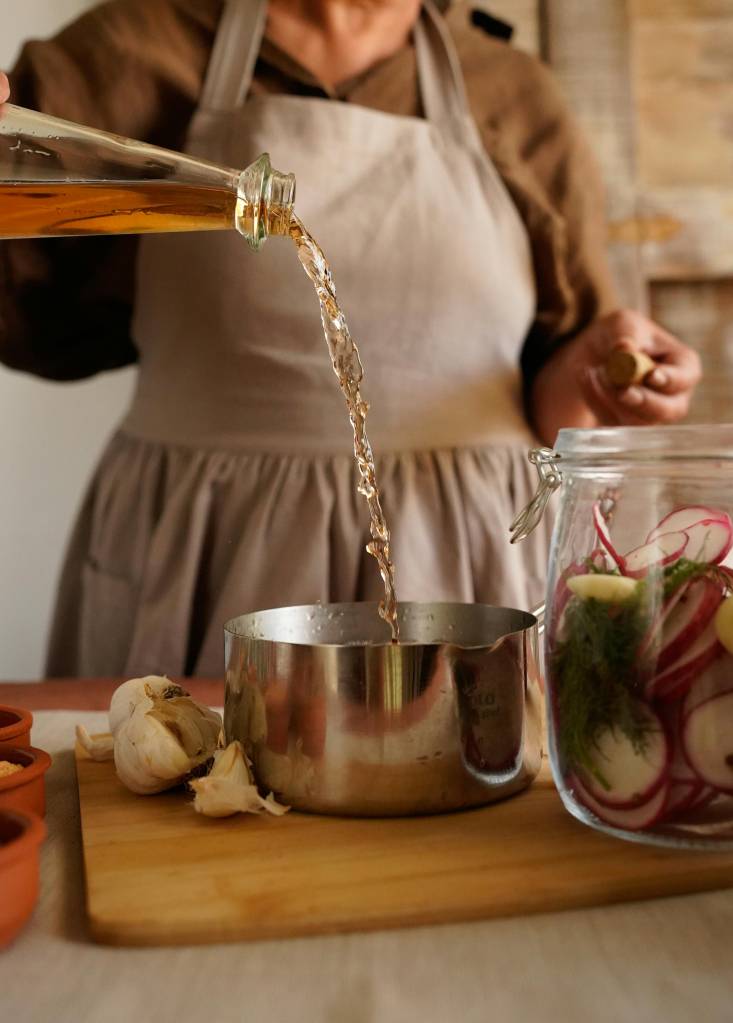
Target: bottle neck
x=265, y=200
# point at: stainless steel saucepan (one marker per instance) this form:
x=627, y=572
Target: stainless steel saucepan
x=337, y=719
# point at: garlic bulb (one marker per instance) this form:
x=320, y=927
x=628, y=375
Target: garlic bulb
x=127, y=695
x=229, y=787
x=159, y=734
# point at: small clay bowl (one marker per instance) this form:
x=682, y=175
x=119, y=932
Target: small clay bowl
x=15, y=726
x=21, y=835
x=24, y=790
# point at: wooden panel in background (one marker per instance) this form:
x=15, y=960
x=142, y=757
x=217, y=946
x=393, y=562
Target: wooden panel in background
x=682, y=233
x=682, y=67
x=683, y=84
x=702, y=314
x=587, y=46
x=682, y=8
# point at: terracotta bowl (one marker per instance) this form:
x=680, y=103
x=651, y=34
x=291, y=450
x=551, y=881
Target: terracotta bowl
x=24, y=790
x=15, y=726
x=21, y=835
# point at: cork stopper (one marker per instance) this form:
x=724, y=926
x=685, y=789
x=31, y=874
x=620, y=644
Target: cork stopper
x=625, y=368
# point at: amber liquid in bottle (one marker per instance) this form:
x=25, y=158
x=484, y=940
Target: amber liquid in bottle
x=63, y=208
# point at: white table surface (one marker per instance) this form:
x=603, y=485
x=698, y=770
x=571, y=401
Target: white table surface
x=663, y=960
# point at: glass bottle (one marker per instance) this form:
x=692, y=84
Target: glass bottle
x=59, y=178
x=639, y=629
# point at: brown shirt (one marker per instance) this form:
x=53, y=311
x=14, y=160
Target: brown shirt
x=136, y=67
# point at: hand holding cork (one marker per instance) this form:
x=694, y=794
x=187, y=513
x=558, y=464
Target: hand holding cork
x=623, y=369
x=636, y=373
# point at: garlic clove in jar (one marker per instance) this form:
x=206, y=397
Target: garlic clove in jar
x=229, y=787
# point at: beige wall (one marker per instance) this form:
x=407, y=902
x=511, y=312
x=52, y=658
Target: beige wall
x=50, y=435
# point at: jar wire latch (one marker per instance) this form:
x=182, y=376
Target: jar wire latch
x=550, y=477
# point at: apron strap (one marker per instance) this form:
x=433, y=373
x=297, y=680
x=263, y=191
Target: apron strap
x=233, y=58
x=239, y=37
x=440, y=76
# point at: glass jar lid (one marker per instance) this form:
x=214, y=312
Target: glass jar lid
x=614, y=449
x=699, y=441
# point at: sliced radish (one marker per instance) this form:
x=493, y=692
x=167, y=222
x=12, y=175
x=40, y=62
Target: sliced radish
x=683, y=795
x=678, y=677
x=710, y=541
x=706, y=795
x=714, y=681
x=610, y=589
x=603, y=535
x=710, y=532
x=707, y=737
x=636, y=818
x=652, y=640
x=680, y=771
x=598, y=559
x=695, y=605
x=660, y=551
x=683, y=518
x=633, y=776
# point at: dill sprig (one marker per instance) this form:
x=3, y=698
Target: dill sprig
x=683, y=570
x=597, y=679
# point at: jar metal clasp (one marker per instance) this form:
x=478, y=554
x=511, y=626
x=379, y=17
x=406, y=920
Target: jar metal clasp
x=550, y=477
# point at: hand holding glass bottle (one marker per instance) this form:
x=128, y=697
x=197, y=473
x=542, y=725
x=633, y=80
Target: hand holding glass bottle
x=59, y=178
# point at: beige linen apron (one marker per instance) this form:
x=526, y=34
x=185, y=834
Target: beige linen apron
x=231, y=486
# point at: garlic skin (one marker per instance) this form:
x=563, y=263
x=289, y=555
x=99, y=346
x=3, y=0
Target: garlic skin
x=163, y=740
x=129, y=693
x=229, y=787
x=98, y=747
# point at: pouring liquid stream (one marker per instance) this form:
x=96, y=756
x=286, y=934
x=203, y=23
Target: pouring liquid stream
x=348, y=368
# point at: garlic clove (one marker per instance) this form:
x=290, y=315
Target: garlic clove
x=272, y=806
x=148, y=757
x=229, y=787
x=195, y=727
x=99, y=747
x=233, y=763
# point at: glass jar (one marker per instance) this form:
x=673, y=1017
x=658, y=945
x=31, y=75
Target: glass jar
x=60, y=178
x=639, y=630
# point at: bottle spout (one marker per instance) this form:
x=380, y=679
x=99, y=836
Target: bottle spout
x=265, y=201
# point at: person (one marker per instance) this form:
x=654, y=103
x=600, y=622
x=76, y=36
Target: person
x=460, y=209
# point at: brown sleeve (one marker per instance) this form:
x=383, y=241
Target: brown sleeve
x=544, y=160
x=560, y=193
x=133, y=67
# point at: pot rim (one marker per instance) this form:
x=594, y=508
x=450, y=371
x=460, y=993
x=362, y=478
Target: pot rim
x=236, y=627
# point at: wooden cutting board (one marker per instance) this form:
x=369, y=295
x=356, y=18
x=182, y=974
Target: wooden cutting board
x=159, y=874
